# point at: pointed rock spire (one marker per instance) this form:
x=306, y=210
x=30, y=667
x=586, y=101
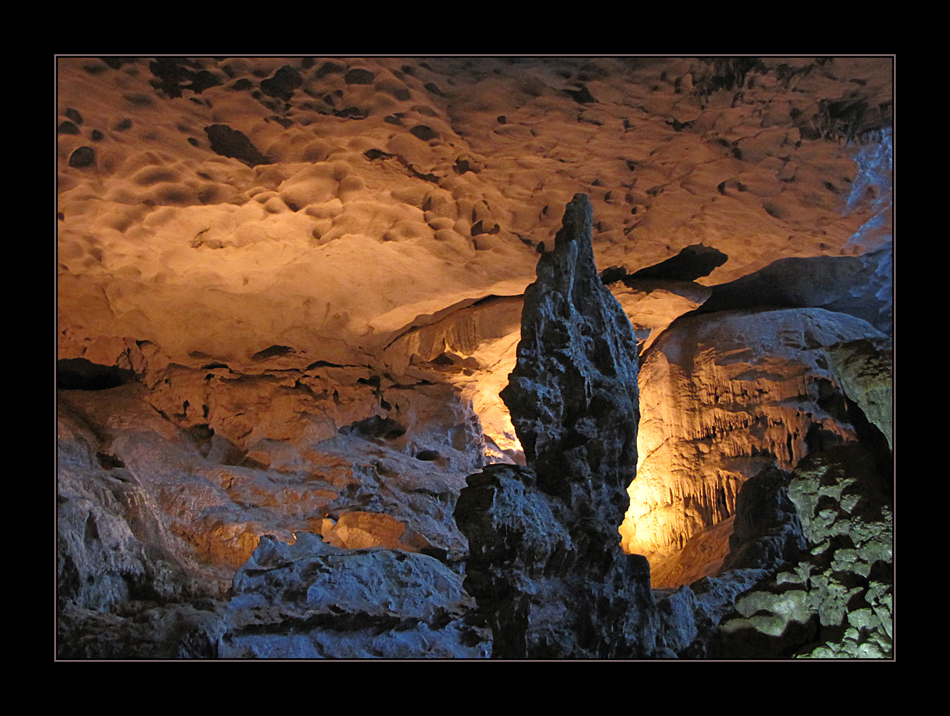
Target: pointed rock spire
x=545, y=562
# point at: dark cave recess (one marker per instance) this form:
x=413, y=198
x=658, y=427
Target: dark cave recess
x=82, y=374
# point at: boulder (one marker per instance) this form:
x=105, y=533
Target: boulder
x=312, y=600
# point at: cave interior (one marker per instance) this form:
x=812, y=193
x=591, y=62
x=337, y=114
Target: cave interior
x=296, y=418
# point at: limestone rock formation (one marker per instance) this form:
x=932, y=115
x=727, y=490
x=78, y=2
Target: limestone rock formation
x=545, y=564
x=289, y=293
x=767, y=536
x=115, y=544
x=724, y=396
x=767, y=533
x=837, y=600
x=173, y=630
x=573, y=395
x=866, y=370
x=306, y=600
x=312, y=600
x=414, y=175
x=652, y=305
x=854, y=285
x=690, y=615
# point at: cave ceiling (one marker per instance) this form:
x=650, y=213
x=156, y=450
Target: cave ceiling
x=219, y=207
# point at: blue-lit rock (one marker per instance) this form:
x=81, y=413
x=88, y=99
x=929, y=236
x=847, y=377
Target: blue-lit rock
x=545, y=564
x=312, y=600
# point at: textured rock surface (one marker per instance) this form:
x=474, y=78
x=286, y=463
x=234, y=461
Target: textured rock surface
x=856, y=285
x=545, y=564
x=115, y=544
x=289, y=292
x=152, y=511
x=866, y=370
x=573, y=395
x=438, y=181
x=837, y=601
x=767, y=532
x=767, y=536
x=724, y=396
x=690, y=615
x=311, y=600
x=307, y=600
x=652, y=305
x=190, y=630
x=701, y=556
x=221, y=483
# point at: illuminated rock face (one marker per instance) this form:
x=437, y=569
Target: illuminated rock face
x=216, y=218
x=545, y=566
x=290, y=289
x=726, y=395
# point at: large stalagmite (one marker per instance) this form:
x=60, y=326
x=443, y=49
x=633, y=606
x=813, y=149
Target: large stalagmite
x=545, y=564
x=573, y=395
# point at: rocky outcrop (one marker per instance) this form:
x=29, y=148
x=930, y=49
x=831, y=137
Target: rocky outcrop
x=866, y=370
x=545, y=565
x=859, y=286
x=652, y=305
x=837, y=600
x=306, y=600
x=312, y=600
x=189, y=630
x=224, y=458
x=767, y=532
x=472, y=348
x=115, y=546
x=156, y=510
x=765, y=536
x=573, y=395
